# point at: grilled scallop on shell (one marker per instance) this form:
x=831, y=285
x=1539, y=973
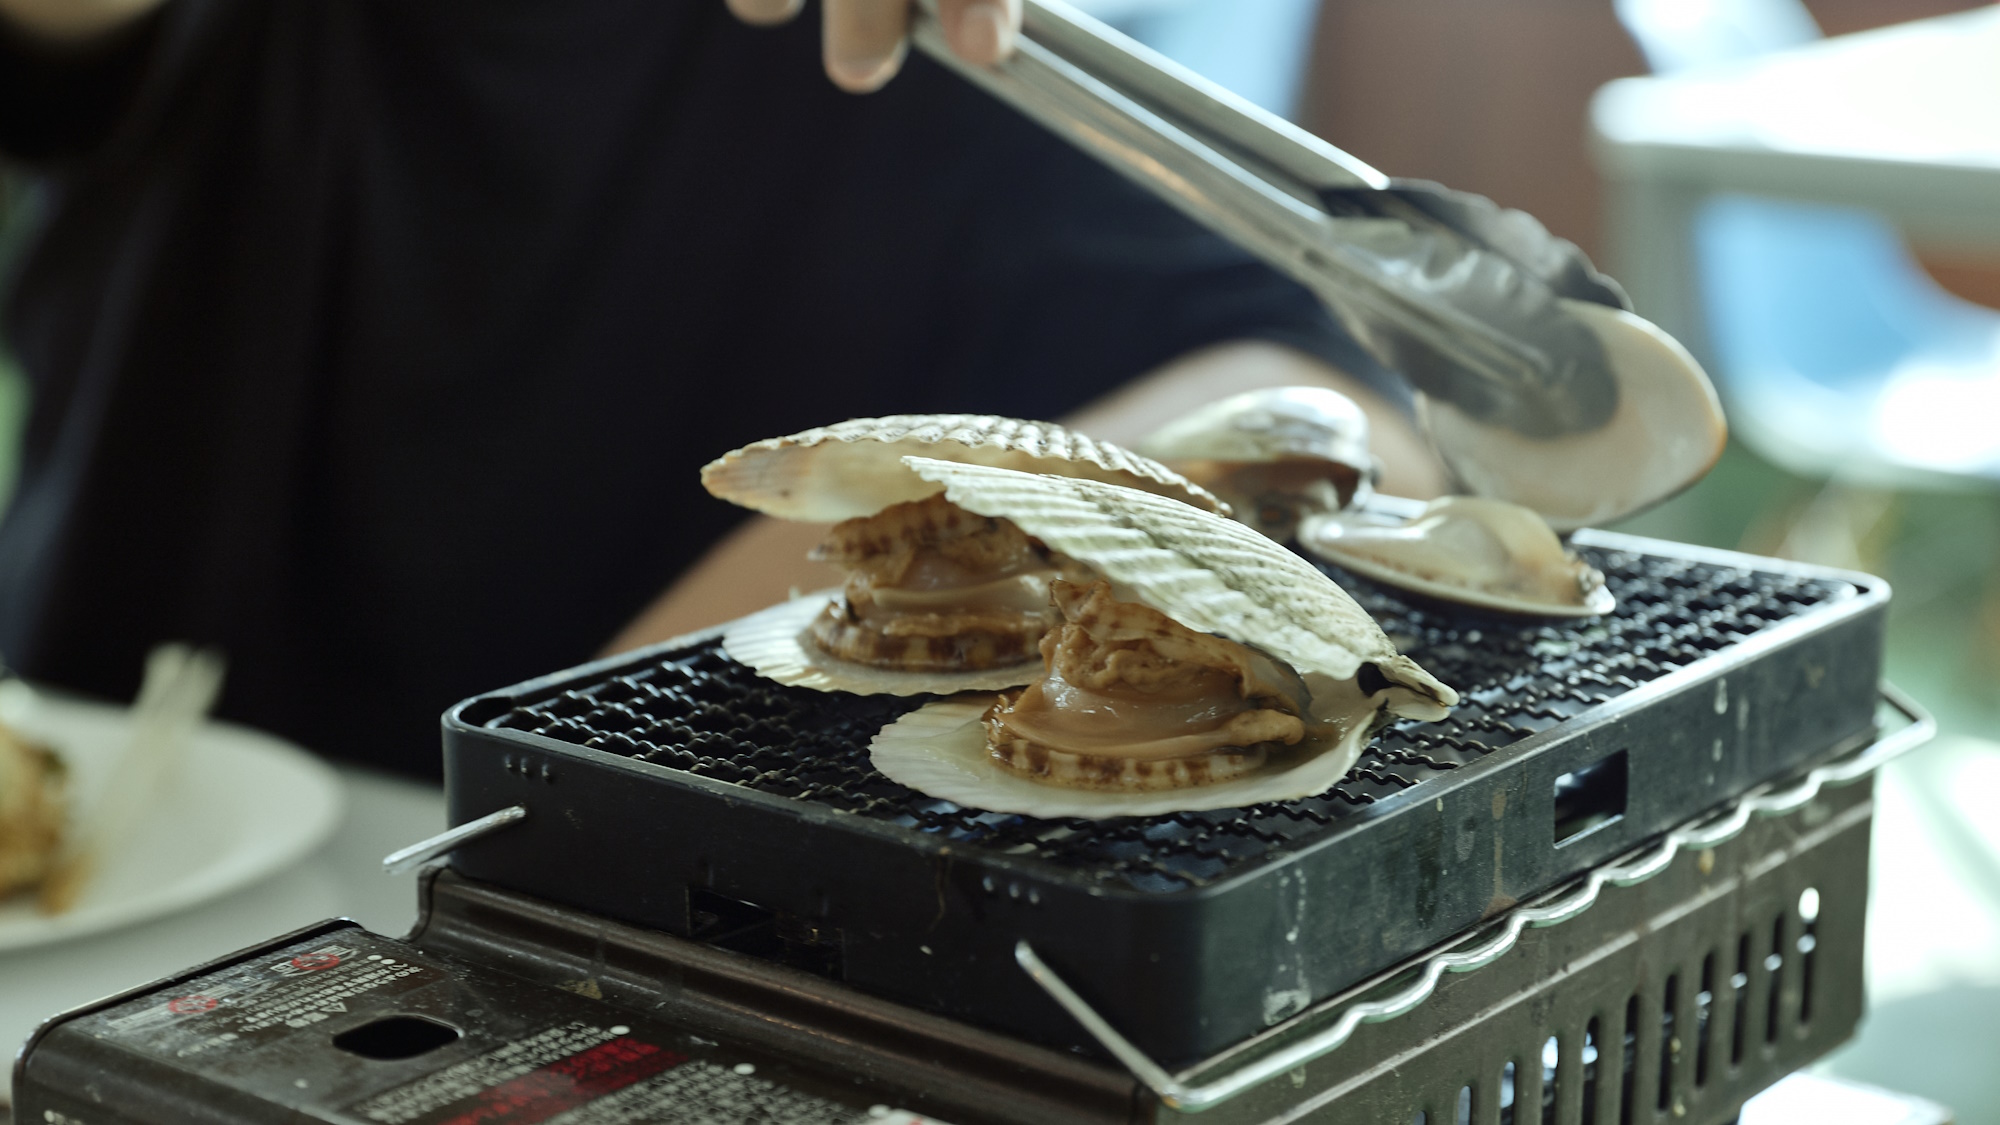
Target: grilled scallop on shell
x=1132, y=700
x=1472, y=550
x=1274, y=647
x=937, y=599
x=934, y=587
x=1275, y=455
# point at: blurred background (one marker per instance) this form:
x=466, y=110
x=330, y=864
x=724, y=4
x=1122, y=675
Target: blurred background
x=1712, y=154
x=1856, y=349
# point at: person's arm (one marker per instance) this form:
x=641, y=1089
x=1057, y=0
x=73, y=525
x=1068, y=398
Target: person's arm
x=763, y=561
x=61, y=23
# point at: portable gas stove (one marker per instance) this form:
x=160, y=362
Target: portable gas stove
x=1624, y=882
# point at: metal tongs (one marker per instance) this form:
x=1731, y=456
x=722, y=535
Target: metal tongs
x=1475, y=305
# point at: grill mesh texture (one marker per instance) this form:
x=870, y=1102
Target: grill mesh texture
x=698, y=711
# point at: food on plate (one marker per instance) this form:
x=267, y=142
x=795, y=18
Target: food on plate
x=1207, y=667
x=1472, y=550
x=936, y=599
x=1274, y=455
x=33, y=805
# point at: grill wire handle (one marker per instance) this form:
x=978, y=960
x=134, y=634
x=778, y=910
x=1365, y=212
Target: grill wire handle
x=424, y=851
x=1176, y=1090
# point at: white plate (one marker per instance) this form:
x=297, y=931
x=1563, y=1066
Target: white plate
x=244, y=806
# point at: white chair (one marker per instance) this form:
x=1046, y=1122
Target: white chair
x=1837, y=355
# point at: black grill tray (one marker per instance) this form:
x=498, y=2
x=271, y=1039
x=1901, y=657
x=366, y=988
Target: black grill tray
x=674, y=788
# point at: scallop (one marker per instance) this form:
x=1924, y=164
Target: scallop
x=1274, y=455
x=1471, y=550
x=1212, y=575
x=1209, y=575
x=1131, y=699
x=940, y=750
x=937, y=600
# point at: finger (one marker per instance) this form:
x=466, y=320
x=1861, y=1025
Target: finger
x=765, y=11
x=865, y=41
x=981, y=32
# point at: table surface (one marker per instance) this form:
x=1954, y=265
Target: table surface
x=344, y=878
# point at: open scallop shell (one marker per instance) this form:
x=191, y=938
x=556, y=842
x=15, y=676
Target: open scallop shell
x=1265, y=425
x=1208, y=573
x=1472, y=550
x=855, y=468
x=1205, y=572
x=771, y=642
x=1666, y=432
x=1274, y=456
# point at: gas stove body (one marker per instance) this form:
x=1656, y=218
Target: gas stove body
x=1670, y=1000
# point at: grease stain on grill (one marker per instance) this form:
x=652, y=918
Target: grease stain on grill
x=698, y=711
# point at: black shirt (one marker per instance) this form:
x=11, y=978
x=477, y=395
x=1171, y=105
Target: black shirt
x=380, y=342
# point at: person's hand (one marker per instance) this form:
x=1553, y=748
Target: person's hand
x=73, y=22
x=865, y=40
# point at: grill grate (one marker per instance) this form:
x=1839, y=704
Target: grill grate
x=698, y=711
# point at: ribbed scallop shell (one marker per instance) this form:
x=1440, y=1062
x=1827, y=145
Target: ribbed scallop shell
x=855, y=468
x=1208, y=573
